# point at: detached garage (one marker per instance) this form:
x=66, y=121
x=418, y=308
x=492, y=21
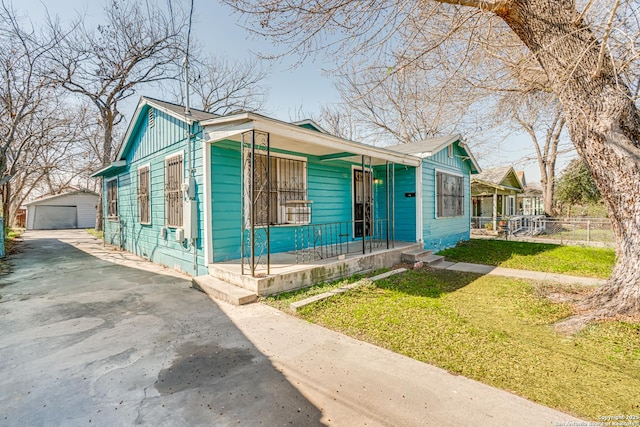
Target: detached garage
x=74, y=209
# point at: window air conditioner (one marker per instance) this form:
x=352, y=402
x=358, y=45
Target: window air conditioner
x=297, y=214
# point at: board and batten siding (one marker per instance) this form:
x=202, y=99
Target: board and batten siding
x=151, y=147
x=442, y=233
x=329, y=187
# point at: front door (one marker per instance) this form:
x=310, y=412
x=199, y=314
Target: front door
x=362, y=212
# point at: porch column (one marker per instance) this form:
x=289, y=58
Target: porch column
x=386, y=199
x=495, y=209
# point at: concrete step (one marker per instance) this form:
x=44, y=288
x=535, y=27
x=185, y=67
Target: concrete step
x=431, y=259
x=223, y=291
x=414, y=255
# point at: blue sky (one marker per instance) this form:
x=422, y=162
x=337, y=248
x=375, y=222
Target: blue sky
x=302, y=88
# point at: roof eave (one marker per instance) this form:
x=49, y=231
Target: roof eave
x=109, y=170
x=292, y=131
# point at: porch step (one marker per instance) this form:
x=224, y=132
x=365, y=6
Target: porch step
x=421, y=255
x=223, y=291
x=432, y=260
x=414, y=255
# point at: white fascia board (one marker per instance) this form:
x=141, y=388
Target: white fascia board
x=301, y=134
x=219, y=133
x=335, y=143
x=471, y=156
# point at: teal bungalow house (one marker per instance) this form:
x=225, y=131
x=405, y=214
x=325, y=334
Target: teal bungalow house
x=269, y=206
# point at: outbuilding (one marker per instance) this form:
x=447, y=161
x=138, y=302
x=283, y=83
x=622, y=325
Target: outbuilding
x=73, y=209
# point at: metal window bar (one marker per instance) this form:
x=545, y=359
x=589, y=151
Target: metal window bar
x=174, y=172
x=450, y=196
x=144, y=194
x=112, y=198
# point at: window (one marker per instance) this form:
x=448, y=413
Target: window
x=450, y=151
x=285, y=201
x=112, y=199
x=173, y=172
x=449, y=195
x=144, y=195
x=152, y=117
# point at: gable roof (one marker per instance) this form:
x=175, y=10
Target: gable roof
x=499, y=177
x=54, y=196
x=174, y=110
x=429, y=147
x=177, y=111
x=309, y=124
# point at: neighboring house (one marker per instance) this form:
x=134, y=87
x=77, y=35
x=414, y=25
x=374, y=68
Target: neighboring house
x=493, y=194
x=246, y=198
x=73, y=209
x=530, y=201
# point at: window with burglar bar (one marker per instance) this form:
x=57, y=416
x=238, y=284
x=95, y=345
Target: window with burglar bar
x=287, y=189
x=449, y=195
x=112, y=199
x=144, y=195
x=173, y=190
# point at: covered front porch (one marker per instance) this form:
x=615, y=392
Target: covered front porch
x=287, y=274
x=289, y=197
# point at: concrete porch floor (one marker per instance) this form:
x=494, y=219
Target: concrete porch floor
x=286, y=274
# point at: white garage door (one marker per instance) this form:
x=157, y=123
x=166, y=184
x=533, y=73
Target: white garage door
x=55, y=217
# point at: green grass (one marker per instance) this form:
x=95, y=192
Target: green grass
x=13, y=234
x=283, y=300
x=495, y=330
x=94, y=233
x=573, y=260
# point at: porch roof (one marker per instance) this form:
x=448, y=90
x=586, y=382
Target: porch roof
x=292, y=137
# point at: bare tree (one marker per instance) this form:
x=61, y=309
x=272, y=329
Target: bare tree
x=220, y=85
x=540, y=116
x=586, y=52
x=28, y=100
x=135, y=46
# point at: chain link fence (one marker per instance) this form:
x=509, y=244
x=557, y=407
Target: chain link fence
x=590, y=231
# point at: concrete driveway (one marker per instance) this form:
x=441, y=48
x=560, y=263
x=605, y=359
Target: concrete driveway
x=87, y=340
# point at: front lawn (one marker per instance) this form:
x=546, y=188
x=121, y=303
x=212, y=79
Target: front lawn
x=495, y=330
x=573, y=260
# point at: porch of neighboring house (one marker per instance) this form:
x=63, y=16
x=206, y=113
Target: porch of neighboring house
x=300, y=209
x=494, y=195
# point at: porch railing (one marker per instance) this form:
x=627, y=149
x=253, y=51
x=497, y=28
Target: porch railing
x=313, y=242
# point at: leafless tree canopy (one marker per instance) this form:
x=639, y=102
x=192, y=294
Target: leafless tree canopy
x=585, y=52
x=220, y=85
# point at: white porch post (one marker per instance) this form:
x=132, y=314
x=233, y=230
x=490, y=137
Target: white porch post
x=495, y=209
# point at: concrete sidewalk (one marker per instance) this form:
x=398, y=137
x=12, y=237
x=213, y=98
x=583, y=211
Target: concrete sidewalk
x=355, y=383
x=521, y=274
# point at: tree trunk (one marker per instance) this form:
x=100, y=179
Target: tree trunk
x=547, y=195
x=107, y=123
x=604, y=126
x=6, y=209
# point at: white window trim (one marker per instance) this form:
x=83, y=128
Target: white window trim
x=146, y=165
x=106, y=188
x=435, y=192
x=164, y=184
x=303, y=159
